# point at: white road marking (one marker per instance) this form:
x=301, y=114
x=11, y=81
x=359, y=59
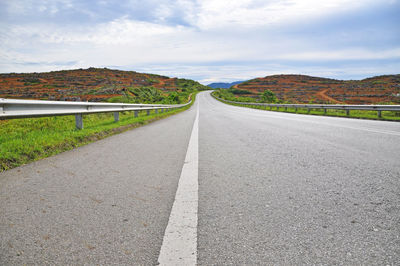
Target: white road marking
x=179, y=245
x=268, y=114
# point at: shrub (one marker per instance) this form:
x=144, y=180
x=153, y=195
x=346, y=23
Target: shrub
x=268, y=97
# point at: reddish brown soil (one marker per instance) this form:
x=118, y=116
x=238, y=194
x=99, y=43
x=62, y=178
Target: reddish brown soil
x=93, y=84
x=305, y=89
x=322, y=95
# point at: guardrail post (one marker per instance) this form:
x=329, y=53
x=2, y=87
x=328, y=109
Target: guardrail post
x=162, y=110
x=156, y=111
x=324, y=110
x=79, y=121
x=347, y=112
x=136, y=113
x=380, y=114
x=295, y=110
x=285, y=108
x=308, y=110
x=148, y=112
x=116, y=116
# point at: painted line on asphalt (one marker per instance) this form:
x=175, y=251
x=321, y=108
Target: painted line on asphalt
x=380, y=131
x=179, y=245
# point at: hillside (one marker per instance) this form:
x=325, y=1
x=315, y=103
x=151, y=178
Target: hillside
x=93, y=84
x=223, y=85
x=305, y=89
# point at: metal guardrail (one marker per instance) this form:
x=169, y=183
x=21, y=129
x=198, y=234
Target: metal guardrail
x=13, y=108
x=325, y=107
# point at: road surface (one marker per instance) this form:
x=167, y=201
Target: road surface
x=216, y=185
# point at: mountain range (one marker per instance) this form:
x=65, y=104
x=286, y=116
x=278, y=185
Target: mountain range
x=223, y=85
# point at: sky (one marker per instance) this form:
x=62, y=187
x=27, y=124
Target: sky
x=205, y=40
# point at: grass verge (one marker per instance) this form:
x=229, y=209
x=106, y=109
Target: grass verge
x=359, y=114
x=30, y=139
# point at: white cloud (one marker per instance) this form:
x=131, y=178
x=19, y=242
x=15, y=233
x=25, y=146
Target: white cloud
x=207, y=74
x=28, y=7
x=340, y=55
x=187, y=35
x=225, y=13
x=127, y=42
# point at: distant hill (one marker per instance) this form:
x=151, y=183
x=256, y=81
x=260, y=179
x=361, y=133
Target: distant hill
x=92, y=84
x=223, y=85
x=305, y=89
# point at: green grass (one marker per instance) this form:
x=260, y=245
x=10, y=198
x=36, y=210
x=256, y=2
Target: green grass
x=386, y=115
x=30, y=139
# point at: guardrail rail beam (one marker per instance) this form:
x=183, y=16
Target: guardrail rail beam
x=325, y=107
x=16, y=108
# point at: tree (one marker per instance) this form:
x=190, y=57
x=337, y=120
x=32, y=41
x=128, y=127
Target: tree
x=268, y=97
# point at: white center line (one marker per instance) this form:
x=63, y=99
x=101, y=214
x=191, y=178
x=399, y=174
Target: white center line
x=179, y=245
x=299, y=119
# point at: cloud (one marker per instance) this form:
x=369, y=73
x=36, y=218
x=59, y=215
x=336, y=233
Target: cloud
x=227, y=71
x=247, y=13
x=340, y=55
x=206, y=40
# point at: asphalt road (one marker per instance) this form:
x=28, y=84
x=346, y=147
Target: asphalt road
x=286, y=189
x=273, y=189
x=104, y=203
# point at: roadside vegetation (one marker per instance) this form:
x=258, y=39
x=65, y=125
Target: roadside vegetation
x=150, y=94
x=236, y=95
x=31, y=139
x=269, y=97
